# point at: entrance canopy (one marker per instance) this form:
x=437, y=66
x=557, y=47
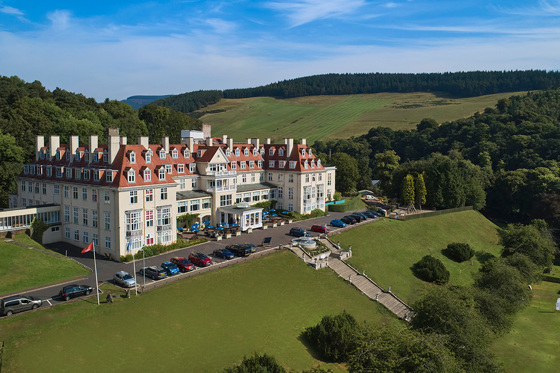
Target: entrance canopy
x=243, y=215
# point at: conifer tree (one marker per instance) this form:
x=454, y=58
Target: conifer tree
x=420, y=191
x=408, y=190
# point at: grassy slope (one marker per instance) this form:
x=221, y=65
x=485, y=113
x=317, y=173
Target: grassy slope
x=328, y=117
x=387, y=249
x=204, y=323
x=533, y=344
x=22, y=268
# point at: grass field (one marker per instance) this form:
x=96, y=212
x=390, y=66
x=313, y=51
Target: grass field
x=202, y=324
x=330, y=117
x=387, y=249
x=22, y=268
x=533, y=344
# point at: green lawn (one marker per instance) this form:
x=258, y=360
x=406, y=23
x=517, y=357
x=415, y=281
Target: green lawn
x=331, y=117
x=22, y=268
x=201, y=324
x=533, y=344
x=387, y=249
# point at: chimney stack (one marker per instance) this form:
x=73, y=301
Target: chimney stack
x=54, y=144
x=92, y=146
x=144, y=141
x=224, y=139
x=230, y=144
x=208, y=141
x=256, y=143
x=206, y=130
x=290, y=146
x=124, y=140
x=190, y=143
x=114, y=143
x=268, y=140
x=39, y=143
x=303, y=142
x=74, y=144
x=165, y=143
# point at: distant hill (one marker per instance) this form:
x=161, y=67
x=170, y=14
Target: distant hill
x=138, y=101
x=453, y=84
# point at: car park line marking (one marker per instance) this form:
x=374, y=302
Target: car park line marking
x=49, y=300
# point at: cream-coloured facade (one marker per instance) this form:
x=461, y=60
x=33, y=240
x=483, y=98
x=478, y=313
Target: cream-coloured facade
x=122, y=197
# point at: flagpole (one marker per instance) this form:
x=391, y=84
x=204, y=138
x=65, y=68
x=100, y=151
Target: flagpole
x=134, y=264
x=96, y=281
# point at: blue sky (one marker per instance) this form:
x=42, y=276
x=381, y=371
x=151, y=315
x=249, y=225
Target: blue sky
x=120, y=48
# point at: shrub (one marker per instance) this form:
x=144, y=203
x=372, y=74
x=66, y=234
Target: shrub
x=459, y=252
x=257, y=363
x=337, y=196
x=431, y=269
x=334, y=337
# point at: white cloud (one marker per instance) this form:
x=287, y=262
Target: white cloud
x=59, y=19
x=10, y=10
x=220, y=26
x=300, y=12
x=391, y=5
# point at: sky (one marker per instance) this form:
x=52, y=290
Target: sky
x=119, y=48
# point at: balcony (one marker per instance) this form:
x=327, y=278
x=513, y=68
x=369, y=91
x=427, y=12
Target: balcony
x=219, y=189
x=221, y=173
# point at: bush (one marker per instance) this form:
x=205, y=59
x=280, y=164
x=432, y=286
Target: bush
x=157, y=249
x=431, y=269
x=459, y=252
x=334, y=337
x=257, y=364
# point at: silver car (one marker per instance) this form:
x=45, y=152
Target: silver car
x=18, y=303
x=124, y=279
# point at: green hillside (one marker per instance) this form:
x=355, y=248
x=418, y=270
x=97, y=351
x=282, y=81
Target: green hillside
x=201, y=324
x=387, y=249
x=22, y=268
x=329, y=117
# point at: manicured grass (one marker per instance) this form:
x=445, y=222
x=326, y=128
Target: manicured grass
x=533, y=344
x=201, y=324
x=330, y=117
x=387, y=249
x=22, y=268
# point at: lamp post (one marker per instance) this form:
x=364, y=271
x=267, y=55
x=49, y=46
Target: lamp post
x=144, y=269
x=134, y=265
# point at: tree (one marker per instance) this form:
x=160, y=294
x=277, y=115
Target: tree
x=346, y=173
x=257, y=364
x=334, y=336
x=528, y=240
x=427, y=124
x=385, y=164
x=420, y=190
x=408, y=190
x=431, y=269
x=459, y=252
x=11, y=159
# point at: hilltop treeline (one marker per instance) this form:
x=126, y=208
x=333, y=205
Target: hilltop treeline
x=504, y=160
x=458, y=84
x=29, y=109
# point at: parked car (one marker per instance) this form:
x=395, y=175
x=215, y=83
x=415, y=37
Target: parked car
x=223, y=253
x=362, y=214
x=170, y=268
x=200, y=259
x=18, y=303
x=320, y=228
x=348, y=220
x=338, y=223
x=358, y=218
x=382, y=211
x=72, y=291
x=249, y=246
x=184, y=264
x=153, y=272
x=370, y=214
x=124, y=279
x=298, y=232
x=239, y=250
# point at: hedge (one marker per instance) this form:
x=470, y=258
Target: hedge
x=157, y=249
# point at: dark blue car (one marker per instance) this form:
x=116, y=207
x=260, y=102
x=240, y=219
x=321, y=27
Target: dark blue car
x=224, y=254
x=338, y=223
x=170, y=268
x=298, y=232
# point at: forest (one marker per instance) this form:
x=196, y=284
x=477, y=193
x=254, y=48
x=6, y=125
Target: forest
x=29, y=109
x=456, y=84
x=504, y=161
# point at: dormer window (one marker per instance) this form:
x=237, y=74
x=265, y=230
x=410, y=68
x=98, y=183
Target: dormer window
x=281, y=152
x=228, y=153
x=149, y=156
x=147, y=175
x=234, y=165
x=95, y=156
x=243, y=165
x=59, y=172
x=161, y=173
x=292, y=164
x=251, y=164
x=310, y=152
x=86, y=157
x=303, y=152
x=312, y=164
x=192, y=168
x=132, y=157
x=259, y=163
x=246, y=152
x=180, y=168
x=162, y=154
x=255, y=151
x=237, y=153
x=105, y=156
x=109, y=176
x=95, y=175
x=282, y=164
x=68, y=173
x=271, y=152
x=77, y=173
x=187, y=153
x=271, y=163
x=26, y=169
x=306, y=165
x=42, y=154
x=86, y=174
x=131, y=176
x=318, y=163
x=57, y=155
x=67, y=155
x=49, y=171
x=199, y=153
x=78, y=155
x=174, y=154
x=168, y=168
x=262, y=151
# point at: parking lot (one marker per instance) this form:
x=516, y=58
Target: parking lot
x=107, y=268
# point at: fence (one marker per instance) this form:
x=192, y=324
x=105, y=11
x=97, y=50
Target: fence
x=439, y=212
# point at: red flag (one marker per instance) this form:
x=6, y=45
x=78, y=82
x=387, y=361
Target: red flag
x=88, y=248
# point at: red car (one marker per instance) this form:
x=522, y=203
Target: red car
x=200, y=259
x=320, y=228
x=183, y=263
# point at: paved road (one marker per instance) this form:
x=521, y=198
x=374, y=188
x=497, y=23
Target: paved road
x=106, y=268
